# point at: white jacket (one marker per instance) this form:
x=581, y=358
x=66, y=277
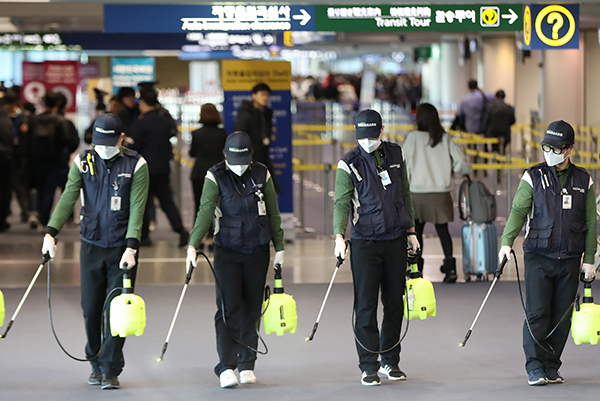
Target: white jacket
x=430, y=169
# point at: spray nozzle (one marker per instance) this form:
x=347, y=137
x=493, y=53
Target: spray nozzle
x=500, y=268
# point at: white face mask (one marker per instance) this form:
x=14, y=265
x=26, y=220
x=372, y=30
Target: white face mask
x=369, y=145
x=553, y=159
x=238, y=169
x=107, y=152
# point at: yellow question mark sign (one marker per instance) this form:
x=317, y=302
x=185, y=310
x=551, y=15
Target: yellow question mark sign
x=555, y=15
x=558, y=21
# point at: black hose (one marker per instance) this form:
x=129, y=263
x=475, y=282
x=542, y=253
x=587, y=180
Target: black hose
x=102, y=339
x=266, y=351
x=551, y=350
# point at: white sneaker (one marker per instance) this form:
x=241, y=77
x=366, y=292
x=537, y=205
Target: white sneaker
x=227, y=379
x=247, y=377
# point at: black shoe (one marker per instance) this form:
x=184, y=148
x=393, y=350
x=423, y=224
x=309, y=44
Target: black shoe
x=370, y=378
x=449, y=268
x=110, y=381
x=95, y=378
x=184, y=238
x=145, y=242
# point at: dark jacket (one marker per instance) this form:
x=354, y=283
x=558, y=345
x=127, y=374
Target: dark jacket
x=151, y=135
x=128, y=118
x=6, y=138
x=71, y=141
x=207, y=147
x=556, y=231
x=47, y=139
x=258, y=125
x=499, y=116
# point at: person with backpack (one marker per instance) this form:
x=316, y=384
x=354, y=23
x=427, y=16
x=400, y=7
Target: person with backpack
x=431, y=159
x=557, y=199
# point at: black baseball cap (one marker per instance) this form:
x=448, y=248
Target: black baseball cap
x=559, y=134
x=107, y=130
x=368, y=124
x=238, y=148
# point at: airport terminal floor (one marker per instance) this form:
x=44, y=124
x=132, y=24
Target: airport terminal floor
x=490, y=366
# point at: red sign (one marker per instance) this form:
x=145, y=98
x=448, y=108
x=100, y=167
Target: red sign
x=63, y=77
x=34, y=88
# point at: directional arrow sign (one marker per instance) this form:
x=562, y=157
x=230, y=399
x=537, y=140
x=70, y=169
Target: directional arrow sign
x=304, y=17
x=512, y=17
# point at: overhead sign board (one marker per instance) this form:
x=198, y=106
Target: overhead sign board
x=551, y=26
x=206, y=18
x=34, y=41
x=416, y=18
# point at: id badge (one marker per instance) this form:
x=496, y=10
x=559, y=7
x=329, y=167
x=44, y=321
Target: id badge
x=385, y=178
x=262, y=208
x=115, y=203
x=567, y=201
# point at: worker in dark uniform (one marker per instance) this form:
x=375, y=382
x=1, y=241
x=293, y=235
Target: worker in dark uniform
x=239, y=193
x=372, y=184
x=114, y=185
x=557, y=199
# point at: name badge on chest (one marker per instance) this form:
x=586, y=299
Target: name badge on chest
x=567, y=201
x=385, y=178
x=115, y=203
x=262, y=208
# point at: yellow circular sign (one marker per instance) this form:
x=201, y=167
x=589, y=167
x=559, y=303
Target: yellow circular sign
x=527, y=25
x=489, y=16
x=555, y=13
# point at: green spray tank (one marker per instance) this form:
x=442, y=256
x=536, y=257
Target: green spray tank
x=585, y=324
x=2, y=310
x=419, y=299
x=279, y=309
x=127, y=311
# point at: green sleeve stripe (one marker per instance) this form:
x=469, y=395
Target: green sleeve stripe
x=69, y=197
x=137, y=199
x=344, y=187
x=204, y=217
x=274, y=215
x=408, y=205
x=591, y=221
x=521, y=207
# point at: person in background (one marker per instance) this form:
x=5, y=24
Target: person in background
x=130, y=111
x=431, y=158
x=152, y=133
x=19, y=173
x=255, y=118
x=6, y=161
x=472, y=108
x=47, y=141
x=247, y=220
x=207, y=148
x=499, y=117
x=557, y=199
x=371, y=184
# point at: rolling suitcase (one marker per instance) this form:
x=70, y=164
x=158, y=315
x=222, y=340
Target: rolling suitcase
x=480, y=248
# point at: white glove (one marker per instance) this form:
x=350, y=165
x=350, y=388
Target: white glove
x=413, y=242
x=49, y=246
x=340, y=248
x=190, y=260
x=504, y=251
x=589, y=271
x=129, y=258
x=278, y=259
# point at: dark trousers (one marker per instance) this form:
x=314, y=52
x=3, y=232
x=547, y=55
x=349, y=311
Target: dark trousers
x=100, y=274
x=241, y=278
x=375, y=265
x=5, y=192
x=160, y=187
x=20, y=186
x=46, y=178
x=443, y=234
x=551, y=286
